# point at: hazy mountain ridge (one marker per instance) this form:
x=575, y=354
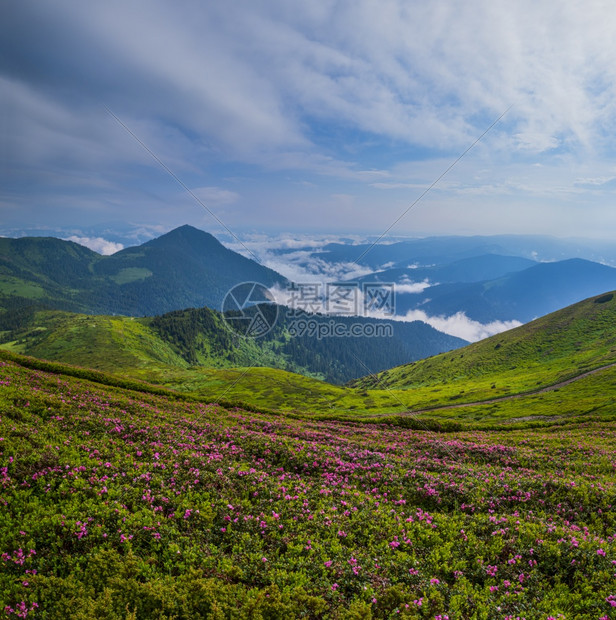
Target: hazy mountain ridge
x=465, y=270
x=522, y=295
x=442, y=250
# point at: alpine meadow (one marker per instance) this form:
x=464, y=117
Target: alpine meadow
x=307, y=310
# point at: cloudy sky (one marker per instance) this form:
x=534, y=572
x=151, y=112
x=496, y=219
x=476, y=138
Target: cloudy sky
x=326, y=115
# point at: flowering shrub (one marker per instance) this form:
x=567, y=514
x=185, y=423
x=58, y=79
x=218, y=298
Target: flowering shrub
x=121, y=504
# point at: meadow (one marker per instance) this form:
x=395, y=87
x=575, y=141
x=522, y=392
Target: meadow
x=125, y=503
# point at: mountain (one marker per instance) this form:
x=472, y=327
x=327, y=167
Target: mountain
x=184, y=268
x=44, y=270
x=522, y=295
x=428, y=251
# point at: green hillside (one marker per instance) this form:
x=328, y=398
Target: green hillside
x=160, y=351
x=46, y=271
x=548, y=350
x=93, y=341
x=193, y=351
x=134, y=348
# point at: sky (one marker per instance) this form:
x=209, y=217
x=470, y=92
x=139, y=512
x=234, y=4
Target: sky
x=322, y=116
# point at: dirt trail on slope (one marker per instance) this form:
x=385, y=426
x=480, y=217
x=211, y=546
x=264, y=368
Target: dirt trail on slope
x=500, y=399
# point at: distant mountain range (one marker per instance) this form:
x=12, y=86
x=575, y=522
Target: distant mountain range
x=443, y=250
x=521, y=295
x=465, y=270
x=489, y=279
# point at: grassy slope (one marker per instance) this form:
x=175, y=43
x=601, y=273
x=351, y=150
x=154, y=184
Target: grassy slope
x=592, y=397
x=280, y=390
x=118, y=343
x=131, y=348
x=551, y=349
x=103, y=342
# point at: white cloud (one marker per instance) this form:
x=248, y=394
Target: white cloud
x=300, y=261
x=536, y=142
x=97, y=244
x=460, y=325
x=596, y=181
x=399, y=185
x=304, y=266
x=406, y=286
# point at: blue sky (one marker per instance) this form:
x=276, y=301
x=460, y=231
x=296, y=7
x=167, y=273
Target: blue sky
x=321, y=116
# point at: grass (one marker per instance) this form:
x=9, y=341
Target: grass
x=277, y=389
x=113, y=344
x=11, y=286
x=546, y=351
x=131, y=274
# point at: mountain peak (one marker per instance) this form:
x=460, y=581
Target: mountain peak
x=186, y=231
x=187, y=239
